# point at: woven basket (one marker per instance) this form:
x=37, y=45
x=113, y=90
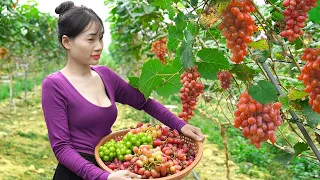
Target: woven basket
x=178, y=176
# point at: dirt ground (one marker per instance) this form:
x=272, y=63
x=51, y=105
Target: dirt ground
x=25, y=152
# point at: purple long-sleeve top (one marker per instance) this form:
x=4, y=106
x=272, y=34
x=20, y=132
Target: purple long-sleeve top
x=76, y=125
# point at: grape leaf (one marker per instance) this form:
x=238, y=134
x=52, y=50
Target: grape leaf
x=221, y=5
x=295, y=94
x=300, y=147
x=165, y=5
x=314, y=14
x=243, y=72
x=273, y=1
x=298, y=44
x=264, y=92
x=175, y=33
x=284, y=158
x=260, y=44
x=148, y=9
x=181, y=24
x=277, y=16
x=161, y=3
x=175, y=36
x=171, y=12
x=207, y=70
x=313, y=118
x=285, y=102
x=213, y=60
x=192, y=27
x=194, y=3
x=171, y=81
x=186, y=55
x=134, y=81
x=149, y=77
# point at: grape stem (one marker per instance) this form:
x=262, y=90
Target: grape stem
x=276, y=36
x=222, y=133
x=225, y=144
x=278, y=9
x=284, y=137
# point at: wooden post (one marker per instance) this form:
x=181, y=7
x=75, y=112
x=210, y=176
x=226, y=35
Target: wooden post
x=25, y=81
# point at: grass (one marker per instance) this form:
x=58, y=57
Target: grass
x=26, y=150
x=19, y=86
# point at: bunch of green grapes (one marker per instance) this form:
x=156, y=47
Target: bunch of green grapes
x=120, y=147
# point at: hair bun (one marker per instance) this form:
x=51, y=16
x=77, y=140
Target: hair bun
x=63, y=7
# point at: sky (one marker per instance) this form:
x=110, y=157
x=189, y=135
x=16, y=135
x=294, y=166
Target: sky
x=96, y=5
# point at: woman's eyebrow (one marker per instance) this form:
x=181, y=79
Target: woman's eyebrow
x=93, y=34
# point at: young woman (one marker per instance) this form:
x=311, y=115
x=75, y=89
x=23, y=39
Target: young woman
x=78, y=101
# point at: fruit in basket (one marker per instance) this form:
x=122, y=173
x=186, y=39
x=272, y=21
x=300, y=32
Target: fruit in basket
x=161, y=152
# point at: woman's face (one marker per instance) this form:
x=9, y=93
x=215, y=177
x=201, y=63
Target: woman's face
x=86, y=48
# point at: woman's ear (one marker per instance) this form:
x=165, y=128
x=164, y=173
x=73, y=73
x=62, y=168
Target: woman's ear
x=65, y=42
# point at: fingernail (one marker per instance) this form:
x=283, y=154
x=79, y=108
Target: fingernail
x=199, y=139
x=139, y=176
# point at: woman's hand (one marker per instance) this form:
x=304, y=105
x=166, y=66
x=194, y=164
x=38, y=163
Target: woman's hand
x=193, y=132
x=123, y=175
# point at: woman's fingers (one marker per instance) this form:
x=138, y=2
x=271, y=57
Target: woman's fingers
x=193, y=135
x=199, y=133
x=133, y=175
x=192, y=132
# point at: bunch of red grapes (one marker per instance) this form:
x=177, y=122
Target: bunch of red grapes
x=167, y=155
x=160, y=48
x=225, y=79
x=296, y=13
x=237, y=26
x=189, y=92
x=258, y=121
x=310, y=76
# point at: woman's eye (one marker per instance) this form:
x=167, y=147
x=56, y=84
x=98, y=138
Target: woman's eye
x=90, y=39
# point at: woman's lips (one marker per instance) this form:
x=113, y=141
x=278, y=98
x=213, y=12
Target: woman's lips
x=95, y=57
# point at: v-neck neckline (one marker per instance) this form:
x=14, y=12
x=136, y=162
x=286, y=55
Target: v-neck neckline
x=82, y=97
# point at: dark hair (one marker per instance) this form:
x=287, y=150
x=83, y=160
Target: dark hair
x=73, y=19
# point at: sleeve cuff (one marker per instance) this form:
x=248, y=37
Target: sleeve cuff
x=105, y=175
x=180, y=125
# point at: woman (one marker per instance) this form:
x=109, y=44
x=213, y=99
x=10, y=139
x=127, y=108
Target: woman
x=78, y=101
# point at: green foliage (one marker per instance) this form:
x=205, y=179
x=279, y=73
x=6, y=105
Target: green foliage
x=186, y=55
x=314, y=14
x=285, y=102
x=25, y=27
x=213, y=60
x=260, y=44
x=297, y=94
x=243, y=72
x=149, y=78
x=284, y=158
x=312, y=117
x=107, y=60
x=263, y=92
x=300, y=147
